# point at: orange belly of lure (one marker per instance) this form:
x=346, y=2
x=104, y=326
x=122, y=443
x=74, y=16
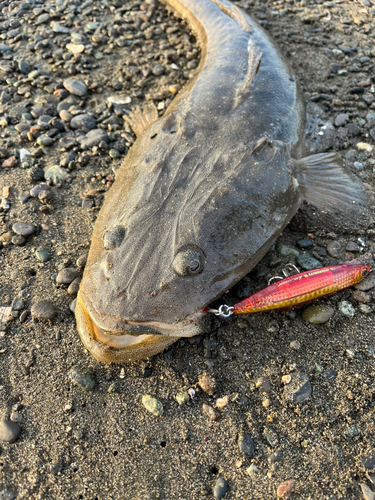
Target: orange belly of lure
x=302, y=288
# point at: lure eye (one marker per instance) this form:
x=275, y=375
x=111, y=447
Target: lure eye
x=114, y=238
x=364, y=272
x=188, y=261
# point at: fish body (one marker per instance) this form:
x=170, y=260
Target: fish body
x=203, y=193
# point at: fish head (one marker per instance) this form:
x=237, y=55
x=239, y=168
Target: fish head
x=180, y=226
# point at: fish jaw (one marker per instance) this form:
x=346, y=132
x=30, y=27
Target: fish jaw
x=123, y=347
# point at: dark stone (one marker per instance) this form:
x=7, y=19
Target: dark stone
x=44, y=310
x=299, y=389
x=246, y=444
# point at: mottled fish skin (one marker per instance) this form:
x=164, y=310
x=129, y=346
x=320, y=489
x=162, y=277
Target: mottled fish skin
x=210, y=182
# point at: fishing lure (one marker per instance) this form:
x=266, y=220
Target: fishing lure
x=301, y=288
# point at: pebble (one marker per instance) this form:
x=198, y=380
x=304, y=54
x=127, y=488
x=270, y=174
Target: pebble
x=23, y=317
x=346, y=308
x=359, y=296
x=207, y=383
x=18, y=240
x=298, y=390
x=263, y=384
x=271, y=436
x=75, y=86
x=341, y=120
x=35, y=174
x=93, y=138
x=364, y=146
x=44, y=310
x=285, y=489
x=81, y=261
x=182, y=398
x=317, y=314
x=55, y=173
x=253, y=471
x=221, y=487
x=9, y=431
x=74, y=286
x=285, y=250
x=66, y=276
x=85, y=122
x=368, y=461
x=365, y=309
x=18, y=304
x=82, y=377
x=367, y=283
x=368, y=494
x=334, y=248
x=276, y=456
x=7, y=495
x=352, y=247
x=246, y=444
x=210, y=412
x=308, y=262
x=305, y=243
x=23, y=229
x=42, y=255
x=152, y=405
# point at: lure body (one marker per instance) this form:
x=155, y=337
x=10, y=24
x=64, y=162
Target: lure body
x=301, y=288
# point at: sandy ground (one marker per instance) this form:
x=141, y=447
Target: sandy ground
x=104, y=444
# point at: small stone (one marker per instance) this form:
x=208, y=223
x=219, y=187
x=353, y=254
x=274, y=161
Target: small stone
x=365, y=309
x=24, y=316
x=220, y=488
x=18, y=240
x=263, y=384
x=35, y=174
x=44, y=140
x=347, y=309
x=55, y=173
x=275, y=457
x=85, y=122
x=352, y=247
x=7, y=495
x=368, y=494
x=246, y=444
x=81, y=261
x=285, y=489
x=75, y=86
x=361, y=297
x=366, y=284
x=18, y=304
x=253, y=471
x=334, y=248
x=82, y=377
x=93, y=138
x=23, y=229
x=44, y=310
x=305, y=243
x=298, y=390
x=9, y=162
x=295, y=345
x=271, y=436
x=66, y=276
x=308, y=262
x=182, y=398
x=285, y=250
x=368, y=462
x=207, y=383
x=74, y=286
x=317, y=314
x=42, y=255
x=152, y=405
x=210, y=412
x=158, y=69
x=341, y=120
x=364, y=146
x=222, y=402
x=9, y=431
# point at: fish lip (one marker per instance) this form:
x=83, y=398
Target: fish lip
x=133, y=343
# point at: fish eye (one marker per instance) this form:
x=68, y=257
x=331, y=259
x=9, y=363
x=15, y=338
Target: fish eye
x=188, y=261
x=113, y=238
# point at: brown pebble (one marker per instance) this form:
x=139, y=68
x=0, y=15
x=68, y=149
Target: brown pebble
x=210, y=412
x=263, y=384
x=285, y=489
x=9, y=162
x=361, y=297
x=207, y=383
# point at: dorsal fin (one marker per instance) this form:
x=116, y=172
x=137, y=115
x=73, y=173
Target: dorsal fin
x=235, y=14
x=141, y=119
x=255, y=56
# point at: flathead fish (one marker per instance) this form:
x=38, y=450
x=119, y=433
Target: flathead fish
x=204, y=192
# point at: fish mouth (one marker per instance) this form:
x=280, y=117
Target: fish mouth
x=138, y=341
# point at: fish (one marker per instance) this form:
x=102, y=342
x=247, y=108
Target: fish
x=204, y=192
x=301, y=288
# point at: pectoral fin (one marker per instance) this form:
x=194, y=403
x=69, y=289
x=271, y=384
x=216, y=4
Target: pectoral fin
x=327, y=184
x=141, y=119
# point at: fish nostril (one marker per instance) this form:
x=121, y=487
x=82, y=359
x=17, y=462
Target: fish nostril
x=114, y=238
